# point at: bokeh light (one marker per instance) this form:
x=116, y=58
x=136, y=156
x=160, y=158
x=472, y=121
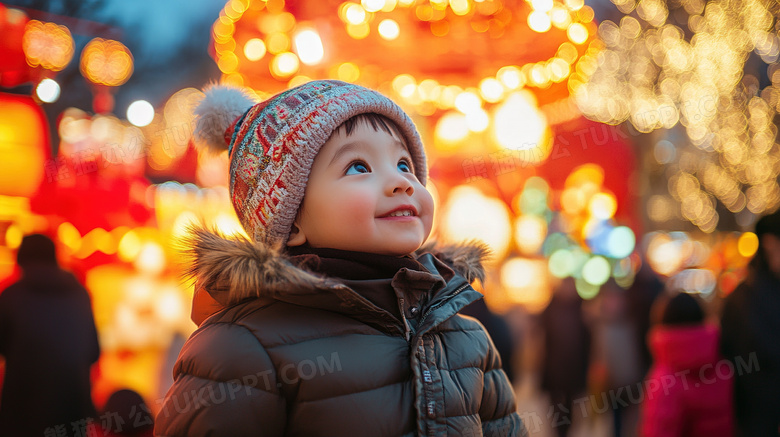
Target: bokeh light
x=389, y=29
x=254, y=49
x=561, y=263
x=48, y=90
x=539, y=21
x=596, y=271
x=140, y=113
x=309, y=47
x=620, y=242
x=468, y=214
x=518, y=125
x=106, y=62
x=748, y=244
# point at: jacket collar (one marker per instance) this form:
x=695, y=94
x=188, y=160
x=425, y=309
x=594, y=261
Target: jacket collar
x=235, y=269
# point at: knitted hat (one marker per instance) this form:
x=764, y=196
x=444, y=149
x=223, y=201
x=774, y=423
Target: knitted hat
x=272, y=145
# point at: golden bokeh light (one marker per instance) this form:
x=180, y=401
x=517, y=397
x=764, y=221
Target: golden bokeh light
x=658, y=75
x=526, y=282
x=254, y=49
x=308, y=46
x=468, y=214
x=358, y=31
x=539, y=21
x=284, y=65
x=278, y=42
x=530, y=232
x=748, y=244
x=602, y=205
x=355, y=14
x=577, y=33
x=519, y=125
x=451, y=128
x=388, y=29
x=106, y=62
x=47, y=45
x=348, y=72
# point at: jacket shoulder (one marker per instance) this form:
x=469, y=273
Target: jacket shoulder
x=468, y=339
x=222, y=350
x=462, y=322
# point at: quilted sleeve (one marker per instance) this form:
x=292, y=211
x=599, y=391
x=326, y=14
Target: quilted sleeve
x=498, y=410
x=224, y=385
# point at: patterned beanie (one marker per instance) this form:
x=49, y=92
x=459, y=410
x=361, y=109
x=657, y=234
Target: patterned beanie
x=272, y=145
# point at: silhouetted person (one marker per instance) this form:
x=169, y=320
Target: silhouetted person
x=688, y=390
x=751, y=336
x=566, y=352
x=618, y=350
x=641, y=295
x=126, y=414
x=49, y=341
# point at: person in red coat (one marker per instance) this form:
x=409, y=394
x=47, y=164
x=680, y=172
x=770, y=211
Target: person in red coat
x=689, y=390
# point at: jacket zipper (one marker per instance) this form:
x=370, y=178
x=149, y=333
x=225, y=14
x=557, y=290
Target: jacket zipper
x=433, y=307
x=406, y=323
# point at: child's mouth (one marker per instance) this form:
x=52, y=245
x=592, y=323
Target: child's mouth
x=401, y=211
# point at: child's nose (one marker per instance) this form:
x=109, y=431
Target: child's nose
x=400, y=184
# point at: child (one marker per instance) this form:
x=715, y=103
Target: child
x=692, y=395
x=335, y=323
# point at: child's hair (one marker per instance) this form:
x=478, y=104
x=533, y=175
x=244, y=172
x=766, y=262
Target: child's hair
x=682, y=309
x=377, y=122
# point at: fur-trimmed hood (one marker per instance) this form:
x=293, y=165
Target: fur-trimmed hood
x=233, y=269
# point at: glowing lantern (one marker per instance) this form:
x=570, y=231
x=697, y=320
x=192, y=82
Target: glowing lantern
x=530, y=231
x=47, y=45
x=13, y=65
x=469, y=214
x=520, y=126
x=526, y=282
x=747, y=244
x=105, y=63
x=23, y=144
x=309, y=46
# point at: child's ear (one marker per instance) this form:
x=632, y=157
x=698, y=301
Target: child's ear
x=297, y=236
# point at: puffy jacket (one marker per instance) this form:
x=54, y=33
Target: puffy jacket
x=688, y=391
x=298, y=354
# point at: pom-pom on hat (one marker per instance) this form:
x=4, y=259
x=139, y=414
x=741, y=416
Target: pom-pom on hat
x=272, y=145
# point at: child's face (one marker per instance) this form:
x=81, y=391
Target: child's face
x=356, y=182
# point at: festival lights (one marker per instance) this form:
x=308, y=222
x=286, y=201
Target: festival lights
x=655, y=73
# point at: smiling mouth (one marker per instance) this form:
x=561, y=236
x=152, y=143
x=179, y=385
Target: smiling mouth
x=403, y=213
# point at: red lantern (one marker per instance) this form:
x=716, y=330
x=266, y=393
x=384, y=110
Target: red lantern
x=24, y=145
x=14, y=70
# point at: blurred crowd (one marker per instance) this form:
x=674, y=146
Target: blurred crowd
x=659, y=361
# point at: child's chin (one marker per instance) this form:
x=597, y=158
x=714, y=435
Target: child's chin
x=401, y=249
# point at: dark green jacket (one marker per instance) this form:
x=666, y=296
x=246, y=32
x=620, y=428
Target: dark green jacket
x=296, y=354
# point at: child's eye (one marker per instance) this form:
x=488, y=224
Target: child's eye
x=357, y=167
x=404, y=166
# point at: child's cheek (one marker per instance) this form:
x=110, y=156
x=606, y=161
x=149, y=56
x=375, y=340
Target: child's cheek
x=358, y=207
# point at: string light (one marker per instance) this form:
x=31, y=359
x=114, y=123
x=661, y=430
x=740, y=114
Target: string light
x=657, y=75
